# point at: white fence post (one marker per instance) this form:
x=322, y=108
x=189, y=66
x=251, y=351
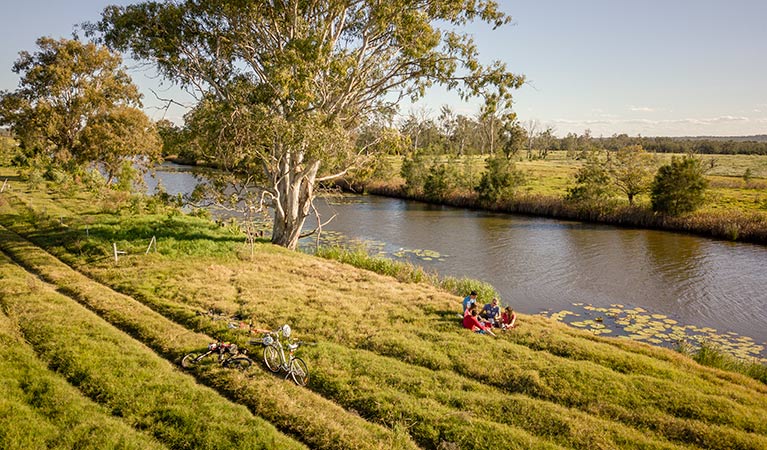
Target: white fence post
x=153, y=241
x=117, y=252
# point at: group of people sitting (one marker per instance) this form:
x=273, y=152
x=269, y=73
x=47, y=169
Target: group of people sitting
x=490, y=317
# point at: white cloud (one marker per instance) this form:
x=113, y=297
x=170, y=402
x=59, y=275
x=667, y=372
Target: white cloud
x=725, y=125
x=641, y=109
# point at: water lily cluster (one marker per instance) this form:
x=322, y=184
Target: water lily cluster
x=638, y=324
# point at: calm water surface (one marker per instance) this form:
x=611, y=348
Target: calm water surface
x=547, y=265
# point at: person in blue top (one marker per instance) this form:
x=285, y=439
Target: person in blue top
x=491, y=312
x=469, y=300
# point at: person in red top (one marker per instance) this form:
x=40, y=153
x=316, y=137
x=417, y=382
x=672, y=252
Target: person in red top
x=508, y=318
x=471, y=322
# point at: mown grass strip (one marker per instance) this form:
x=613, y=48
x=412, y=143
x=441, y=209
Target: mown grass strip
x=39, y=409
x=368, y=382
x=649, y=403
x=674, y=411
x=627, y=356
x=315, y=420
x=126, y=377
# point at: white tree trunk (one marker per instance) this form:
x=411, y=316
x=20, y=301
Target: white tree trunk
x=294, y=193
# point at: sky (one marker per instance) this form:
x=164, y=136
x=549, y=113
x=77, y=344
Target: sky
x=650, y=68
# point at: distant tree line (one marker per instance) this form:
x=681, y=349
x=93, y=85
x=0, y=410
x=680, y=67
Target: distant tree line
x=484, y=133
x=754, y=145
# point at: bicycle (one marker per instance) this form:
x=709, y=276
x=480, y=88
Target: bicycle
x=229, y=355
x=274, y=355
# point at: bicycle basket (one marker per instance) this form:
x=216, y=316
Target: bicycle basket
x=267, y=340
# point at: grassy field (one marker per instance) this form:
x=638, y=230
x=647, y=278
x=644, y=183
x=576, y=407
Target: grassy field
x=392, y=368
x=729, y=191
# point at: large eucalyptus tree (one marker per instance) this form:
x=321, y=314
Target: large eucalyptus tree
x=283, y=84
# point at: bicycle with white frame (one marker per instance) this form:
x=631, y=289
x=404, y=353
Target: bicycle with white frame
x=275, y=358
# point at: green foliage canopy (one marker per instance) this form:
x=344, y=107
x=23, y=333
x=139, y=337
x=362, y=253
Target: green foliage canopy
x=75, y=104
x=679, y=187
x=592, y=181
x=500, y=181
x=295, y=78
x=630, y=169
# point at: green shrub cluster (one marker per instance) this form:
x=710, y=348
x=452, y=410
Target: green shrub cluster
x=679, y=187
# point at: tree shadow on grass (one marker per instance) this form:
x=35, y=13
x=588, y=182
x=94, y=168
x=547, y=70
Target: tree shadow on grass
x=94, y=241
x=9, y=178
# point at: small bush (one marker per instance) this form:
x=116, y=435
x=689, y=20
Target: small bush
x=592, y=182
x=500, y=181
x=679, y=187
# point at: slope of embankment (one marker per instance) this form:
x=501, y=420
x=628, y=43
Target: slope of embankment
x=391, y=367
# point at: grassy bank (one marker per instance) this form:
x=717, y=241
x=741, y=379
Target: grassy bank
x=39, y=409
x=125, y=377
x=391, y=369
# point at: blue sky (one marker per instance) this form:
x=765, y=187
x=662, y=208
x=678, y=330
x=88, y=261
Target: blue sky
x=655, y=68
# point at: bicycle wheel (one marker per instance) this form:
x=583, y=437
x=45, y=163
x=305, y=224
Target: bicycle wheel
x=272, y=358
x=238, y=362
x=299, y=371
x=189, y=360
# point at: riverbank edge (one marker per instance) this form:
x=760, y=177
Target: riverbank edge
x=733, y=226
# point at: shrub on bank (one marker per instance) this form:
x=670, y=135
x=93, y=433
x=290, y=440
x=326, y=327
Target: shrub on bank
x=679, y=187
